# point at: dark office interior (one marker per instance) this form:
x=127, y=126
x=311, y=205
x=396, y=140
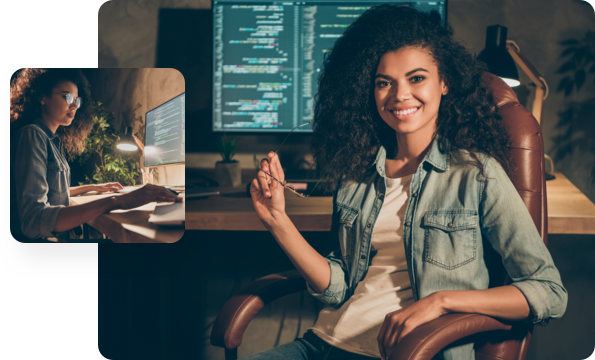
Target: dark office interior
x=159, y=302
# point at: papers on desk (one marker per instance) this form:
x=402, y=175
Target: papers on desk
x=147, y=207
x=169, y=214
x=127, y=189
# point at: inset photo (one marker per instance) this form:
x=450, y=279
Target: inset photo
x=97, y=155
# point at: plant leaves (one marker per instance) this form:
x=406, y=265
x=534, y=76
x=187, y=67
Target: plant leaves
x=568, y=89
x=579, y=79
x=581, y=55
x=563, y=83
x=568, y=51
x=568, y=66
x=569, y=42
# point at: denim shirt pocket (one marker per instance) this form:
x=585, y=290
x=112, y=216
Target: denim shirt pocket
x=346, y=220
x=56, y=178
x=450, y=237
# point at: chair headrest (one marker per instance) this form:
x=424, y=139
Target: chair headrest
x=502, y=93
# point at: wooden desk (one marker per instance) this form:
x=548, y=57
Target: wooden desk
x=130, y=226
x=570, y=211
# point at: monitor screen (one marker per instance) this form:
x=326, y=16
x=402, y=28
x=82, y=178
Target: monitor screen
x=165, y=133
x=267, y=56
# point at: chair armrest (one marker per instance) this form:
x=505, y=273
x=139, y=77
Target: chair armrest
x=424, y=342
x=236, y=314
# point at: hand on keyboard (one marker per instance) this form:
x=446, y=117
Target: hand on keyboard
x=146, y=194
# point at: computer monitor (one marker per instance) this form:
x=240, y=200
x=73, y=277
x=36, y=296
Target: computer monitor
x=267, y=56
x=165, y=133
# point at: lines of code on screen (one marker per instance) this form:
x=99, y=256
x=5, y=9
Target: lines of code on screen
x=165, y=133
x=268, y=55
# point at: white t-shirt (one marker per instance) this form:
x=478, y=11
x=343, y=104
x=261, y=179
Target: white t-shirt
x=354, y=327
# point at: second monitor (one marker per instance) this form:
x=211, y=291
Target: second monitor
x=165, y=133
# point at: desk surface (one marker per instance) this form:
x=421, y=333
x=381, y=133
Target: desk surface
x=130, y=226
x=570, y=211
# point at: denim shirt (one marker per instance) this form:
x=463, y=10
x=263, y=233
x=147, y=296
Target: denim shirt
x=452, y=213
x=40, y=182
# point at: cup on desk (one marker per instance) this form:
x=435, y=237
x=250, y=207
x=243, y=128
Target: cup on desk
x=147, y=176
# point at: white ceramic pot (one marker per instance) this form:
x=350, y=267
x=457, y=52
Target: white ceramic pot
x=228, y=174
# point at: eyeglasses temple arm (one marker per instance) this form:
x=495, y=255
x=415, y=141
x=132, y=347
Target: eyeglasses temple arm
x=304, y=124
x=322, y=177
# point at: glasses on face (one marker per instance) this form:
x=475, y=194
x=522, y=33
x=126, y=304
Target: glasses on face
x=70, y=99
x=290, y=186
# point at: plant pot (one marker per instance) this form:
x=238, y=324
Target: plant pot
x=228, y=173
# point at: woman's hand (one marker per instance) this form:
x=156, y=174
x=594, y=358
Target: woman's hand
x=146, y=194
x=399, y=323
x=101, y=188
x=267, y=194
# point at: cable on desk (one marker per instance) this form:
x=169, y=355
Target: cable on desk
x=281, y=326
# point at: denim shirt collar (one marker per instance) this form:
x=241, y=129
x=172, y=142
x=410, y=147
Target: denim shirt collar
x=438, y=158
x=45, y=128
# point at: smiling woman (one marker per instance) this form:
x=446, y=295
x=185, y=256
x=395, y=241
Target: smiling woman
x=408, y=101
x=421, y=194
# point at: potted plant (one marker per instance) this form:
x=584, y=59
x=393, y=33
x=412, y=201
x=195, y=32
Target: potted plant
x=575, y=126
x=227, y=171
x=114, y=166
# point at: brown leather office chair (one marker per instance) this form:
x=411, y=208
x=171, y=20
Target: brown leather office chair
x=494, y=339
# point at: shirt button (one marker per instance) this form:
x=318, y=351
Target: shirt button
x=363, y=257
x=369, y=225
x=449, y=224
x=408, y=223
x=415, y=195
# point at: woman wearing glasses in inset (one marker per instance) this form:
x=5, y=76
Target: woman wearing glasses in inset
x=50, y=113
x=408, y=133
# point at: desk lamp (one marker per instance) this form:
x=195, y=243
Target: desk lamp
x=129, y=142
x=501, y=55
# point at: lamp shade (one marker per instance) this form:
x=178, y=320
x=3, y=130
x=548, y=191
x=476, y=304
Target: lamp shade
x=127, y=142
x=497, y=58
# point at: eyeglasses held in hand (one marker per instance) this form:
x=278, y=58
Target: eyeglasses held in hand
x=290, y=186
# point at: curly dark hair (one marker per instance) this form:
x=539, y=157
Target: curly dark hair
x=346, y=120
x=27, y=86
